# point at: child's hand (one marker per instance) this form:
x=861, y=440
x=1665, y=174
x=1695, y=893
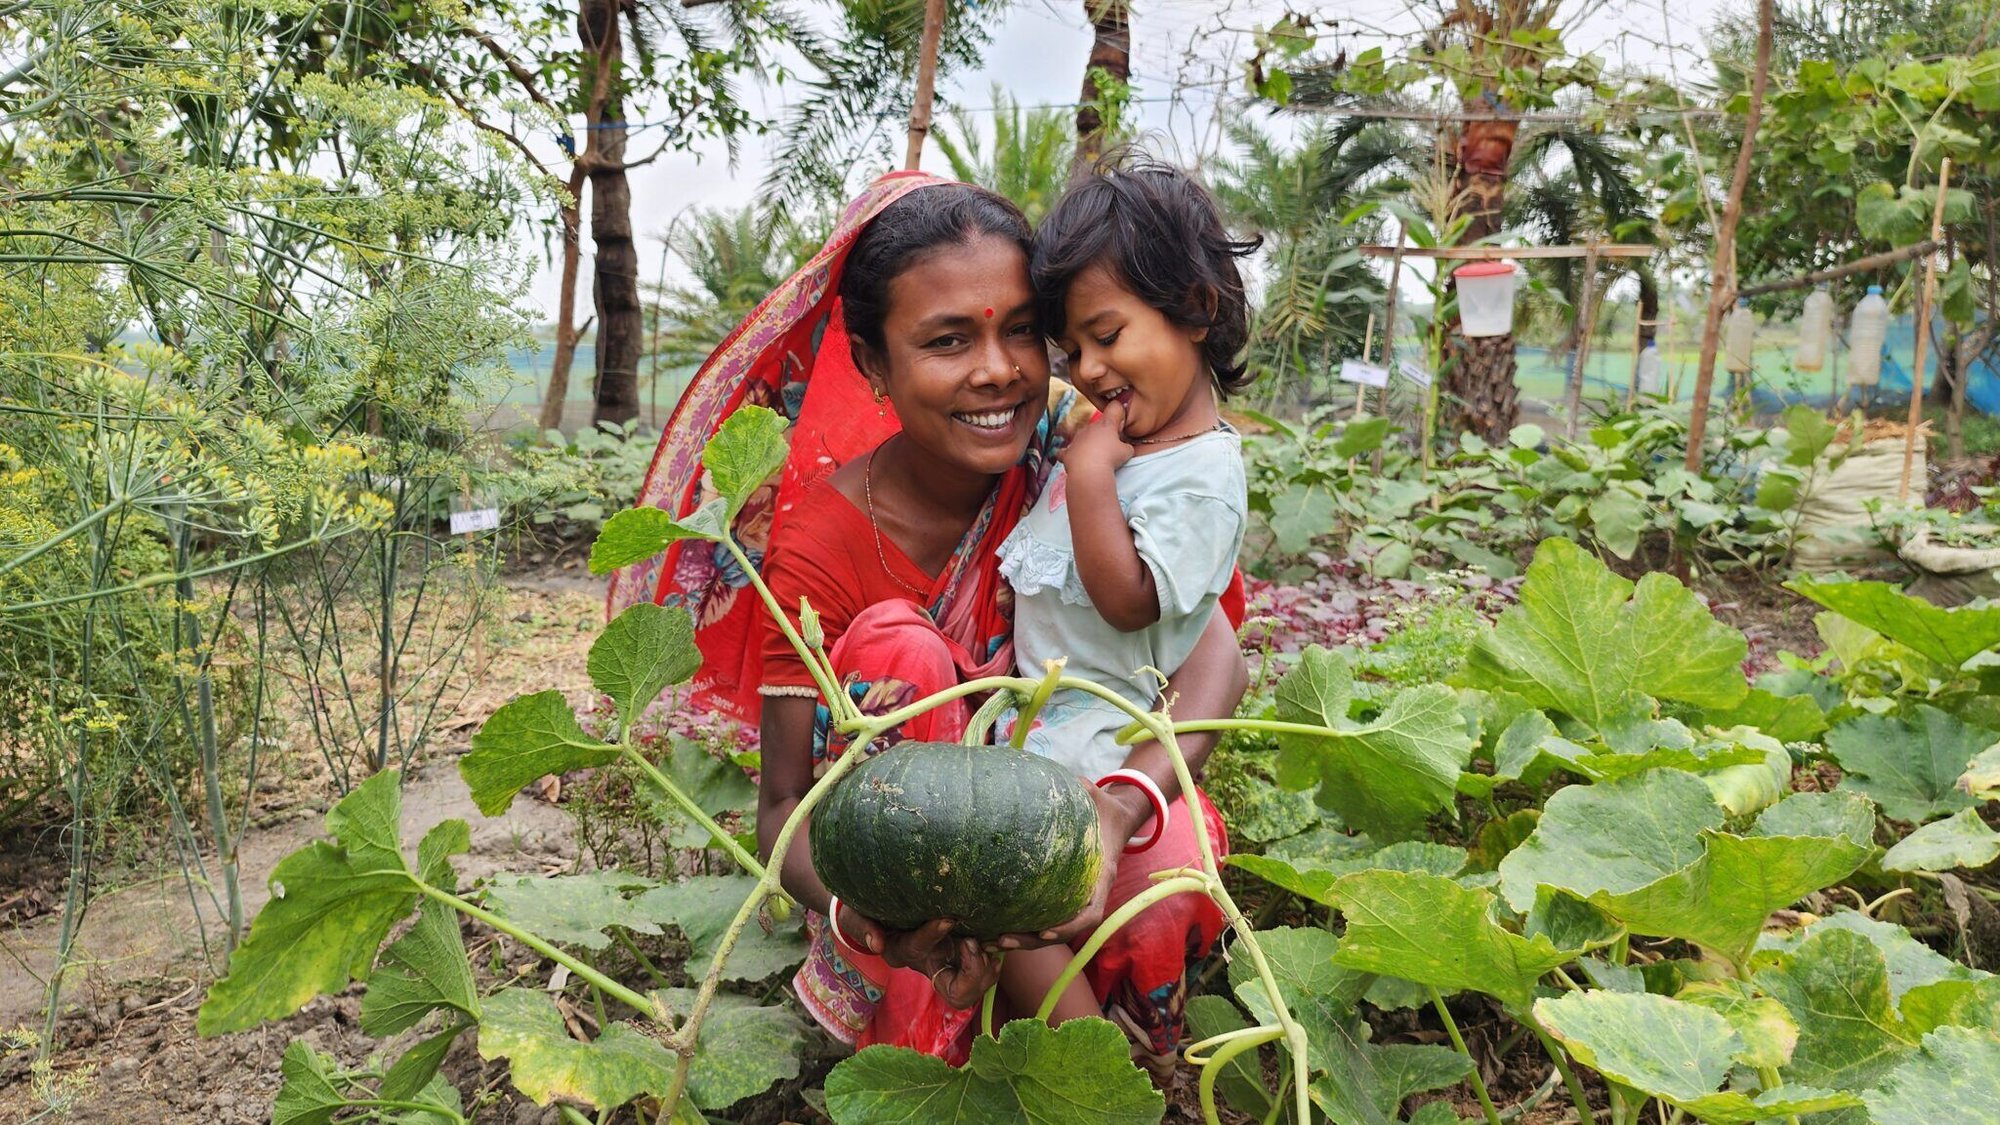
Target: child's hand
x=1101, y=444
x=959, y=967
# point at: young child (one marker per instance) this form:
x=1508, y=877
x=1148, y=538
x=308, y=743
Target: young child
x=1119, y=564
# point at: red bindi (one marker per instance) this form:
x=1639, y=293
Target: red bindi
x=989, y=313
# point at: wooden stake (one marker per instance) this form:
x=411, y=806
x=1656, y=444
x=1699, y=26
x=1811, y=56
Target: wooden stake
x=920, y=109
x=1722, y=278
x=1925, y=297
x=1367, y=349
x=1586, y=322
x=1389, y=331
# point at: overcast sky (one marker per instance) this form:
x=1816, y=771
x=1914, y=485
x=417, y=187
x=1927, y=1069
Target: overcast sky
x=1187, y=58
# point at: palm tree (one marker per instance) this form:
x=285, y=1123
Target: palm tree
x=1318, y=291
x=1030, y=156
x=735, y=260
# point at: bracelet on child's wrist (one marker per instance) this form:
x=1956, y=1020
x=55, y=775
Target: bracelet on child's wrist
x=1154, y=797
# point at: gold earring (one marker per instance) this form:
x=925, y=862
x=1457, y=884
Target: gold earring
x=881, y=411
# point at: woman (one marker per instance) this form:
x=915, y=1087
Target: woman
x=905, y=473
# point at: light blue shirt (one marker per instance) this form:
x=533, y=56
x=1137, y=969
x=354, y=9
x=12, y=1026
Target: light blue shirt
x=1186, y=507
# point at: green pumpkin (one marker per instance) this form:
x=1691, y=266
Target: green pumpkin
x=1000, y=840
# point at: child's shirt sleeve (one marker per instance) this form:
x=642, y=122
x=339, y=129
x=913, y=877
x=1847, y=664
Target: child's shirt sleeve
x=1190, y=528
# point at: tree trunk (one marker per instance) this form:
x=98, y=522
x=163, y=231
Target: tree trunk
x=1722, y=278
x=920, y=106
x=1479, y=372
x=1111, y=54
x=557, y=394
x=615, y=278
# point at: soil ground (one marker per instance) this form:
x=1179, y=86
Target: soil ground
x=127, y=1050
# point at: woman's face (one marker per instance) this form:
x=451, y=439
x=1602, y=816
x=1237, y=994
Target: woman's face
x=962, y=357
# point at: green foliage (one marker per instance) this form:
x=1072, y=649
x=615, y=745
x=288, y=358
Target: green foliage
x=524, y=1026
x=1070, y=1075
x=529, y=738
x=1029, y=157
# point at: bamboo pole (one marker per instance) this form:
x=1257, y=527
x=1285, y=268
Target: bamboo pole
x=1722, y=278
x=920, y=108
x=1367, y=348
x=1833, y=273
x=1925, y=297
x=1586, y=322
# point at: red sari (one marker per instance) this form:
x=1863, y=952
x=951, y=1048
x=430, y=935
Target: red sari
x=792, y=355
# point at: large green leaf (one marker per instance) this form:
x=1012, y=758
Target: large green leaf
x=704, y=906
x=1429, y=929
x=1614, y=836
x=1836, y=985
x=1804, y=843
x=576, y=909
x=716, y=786
x=1962, y=840
x=1787, y=718
x=416, y=1072
x=1078, y=1074
x=1587, y=643
x=1768, y=1031
x=1383, y=777
x=1910, y=963
x=744, y=1047
x=524, y=1025
x=1649, y=852
x=529, y=738
x=1909, y=766
x=1949, y=636
x=331, y=907
x=637, y=534
x=1313, y=877
x=423, y=971
x=643, y=651
x=1674, y=1051
x=308, y=1096
x=745, y=451
x=1953, y=1078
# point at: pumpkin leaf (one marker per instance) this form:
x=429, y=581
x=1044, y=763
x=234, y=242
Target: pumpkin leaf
x=1787, y=718
x=1591, y=645
x=1430, y=929
x=1981, y=779
x=1768, y=1031
x=643, y=651
x=1383, y=777
x=529, y=738
x=745, y=451
x=413, y=1076
x=744, y=1047
x=1836, y=985
x=1313, y=877
x=716, y=786
x=575, y=909
x=637, y=534
x=332, y=904
x=1672, y=1050
x=1949, y=636
x=308, y=1096
x=1909, y=766
x=1949, y=1079
x=423, y=971
x=1910, y=963
x=703, y=907
x=1080, y=1073
x=524, y=1025
x=1614, y=836
x=1962, y=840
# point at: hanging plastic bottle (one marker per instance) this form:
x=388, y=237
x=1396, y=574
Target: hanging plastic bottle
x=1739, y=336
x=1650, y=380
x=1815, y=329
x=1866, y=333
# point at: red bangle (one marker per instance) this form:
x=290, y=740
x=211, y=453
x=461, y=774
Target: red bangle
x=1156, y=798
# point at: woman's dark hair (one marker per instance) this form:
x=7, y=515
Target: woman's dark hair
x=1160, y=235
x=926, y=220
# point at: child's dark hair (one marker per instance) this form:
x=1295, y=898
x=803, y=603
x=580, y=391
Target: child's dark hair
x=1160, y=234
x=924, y=221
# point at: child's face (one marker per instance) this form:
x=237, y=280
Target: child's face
x=1121, y=348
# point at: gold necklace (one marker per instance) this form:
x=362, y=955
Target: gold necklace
x=868, y=498
x=1219, y=424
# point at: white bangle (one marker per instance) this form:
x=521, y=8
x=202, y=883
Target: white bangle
x=833, y=919
x=1153, y=794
